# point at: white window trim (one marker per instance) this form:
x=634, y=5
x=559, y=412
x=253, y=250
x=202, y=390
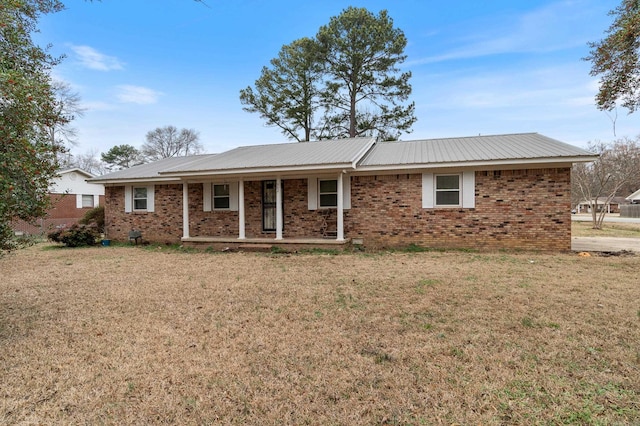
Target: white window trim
x=320, y=194
x=313, y=191
x=133, y=198
x=93, y=200
x=214, y=196
x=436, y=190
x=467, y=190
x=128, y=199
x=208, y=197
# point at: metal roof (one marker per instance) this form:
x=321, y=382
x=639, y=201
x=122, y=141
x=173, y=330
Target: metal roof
x=434, y=152
x=148, y=171
x=359, y=154
x=290, y=156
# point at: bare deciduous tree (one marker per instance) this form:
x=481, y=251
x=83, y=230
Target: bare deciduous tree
x=614, y=171
x=70, y=108
x=89, y=162
x=168, y=141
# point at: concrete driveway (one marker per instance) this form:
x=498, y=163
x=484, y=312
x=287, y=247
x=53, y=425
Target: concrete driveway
x=605, y=244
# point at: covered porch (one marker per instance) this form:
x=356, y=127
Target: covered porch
x=247, y=213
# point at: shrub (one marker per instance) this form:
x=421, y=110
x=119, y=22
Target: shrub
x=94, y=217
x=76, y=236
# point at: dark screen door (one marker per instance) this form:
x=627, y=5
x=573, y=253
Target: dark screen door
x=269, y=205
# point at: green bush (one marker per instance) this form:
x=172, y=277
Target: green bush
x=94, y=217
x=76, y=236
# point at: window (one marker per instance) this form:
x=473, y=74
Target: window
x=450, y=190
x=221, y=197
x=328, y=193
x=87, y=201
x=140, y=198
x=322, y=192
x=447, y=190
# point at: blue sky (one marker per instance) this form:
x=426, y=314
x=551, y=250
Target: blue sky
x=489, y=67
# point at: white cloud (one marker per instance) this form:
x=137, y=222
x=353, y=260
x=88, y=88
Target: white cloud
x=547, y=29
x=98, y=106
x=512, y=87
x=92, y=59
x=137, y=95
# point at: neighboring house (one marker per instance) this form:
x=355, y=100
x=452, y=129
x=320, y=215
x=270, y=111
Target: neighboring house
x=612, y=206
x=634, y=198
x=633, y=208
x=504, y=191
x=71, y=197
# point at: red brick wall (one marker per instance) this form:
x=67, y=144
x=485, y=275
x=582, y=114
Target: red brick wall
x=528, y=209
x=298, y=220
x=62, y=214
x=209, y=224
x=164, y=225
x=64, y=206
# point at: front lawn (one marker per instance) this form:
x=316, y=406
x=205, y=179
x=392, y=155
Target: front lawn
x=609, y=229
x=133, y=335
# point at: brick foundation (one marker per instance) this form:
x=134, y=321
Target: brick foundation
x=514, y=209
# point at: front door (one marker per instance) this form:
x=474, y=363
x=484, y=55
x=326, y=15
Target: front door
x=269, y=205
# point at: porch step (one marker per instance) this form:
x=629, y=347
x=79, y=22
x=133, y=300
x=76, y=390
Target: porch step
x=255, y=247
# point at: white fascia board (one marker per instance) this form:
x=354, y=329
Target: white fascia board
x=634, y=196
x=266, y=171
x=120, y=182
x=537, y=162
x=77, y=170
x=326, y=174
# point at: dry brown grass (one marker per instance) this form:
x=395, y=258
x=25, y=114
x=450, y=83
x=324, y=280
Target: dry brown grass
x=609, y=229
x=124, y=335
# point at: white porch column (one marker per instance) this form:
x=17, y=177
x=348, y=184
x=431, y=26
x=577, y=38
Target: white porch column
x=278, y=208
x=185, y=210
x=340, y=214
x=241, y=235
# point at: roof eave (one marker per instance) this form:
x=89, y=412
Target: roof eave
x=77, y=170
x=134, y=180
x=260, y=170
x=479, y=163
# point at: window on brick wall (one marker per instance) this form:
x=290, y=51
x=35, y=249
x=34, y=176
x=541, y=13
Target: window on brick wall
x=447, y=189
x=87, y=201
x=328, y=193
x=140, y=198
x=221, y=197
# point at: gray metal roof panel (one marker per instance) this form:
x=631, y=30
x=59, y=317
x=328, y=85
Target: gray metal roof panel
x=308, y=155
x=149, y=170
x=470, y=149
x=286, y=155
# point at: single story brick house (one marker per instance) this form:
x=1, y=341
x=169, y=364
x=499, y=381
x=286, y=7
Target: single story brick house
x=497, y=192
